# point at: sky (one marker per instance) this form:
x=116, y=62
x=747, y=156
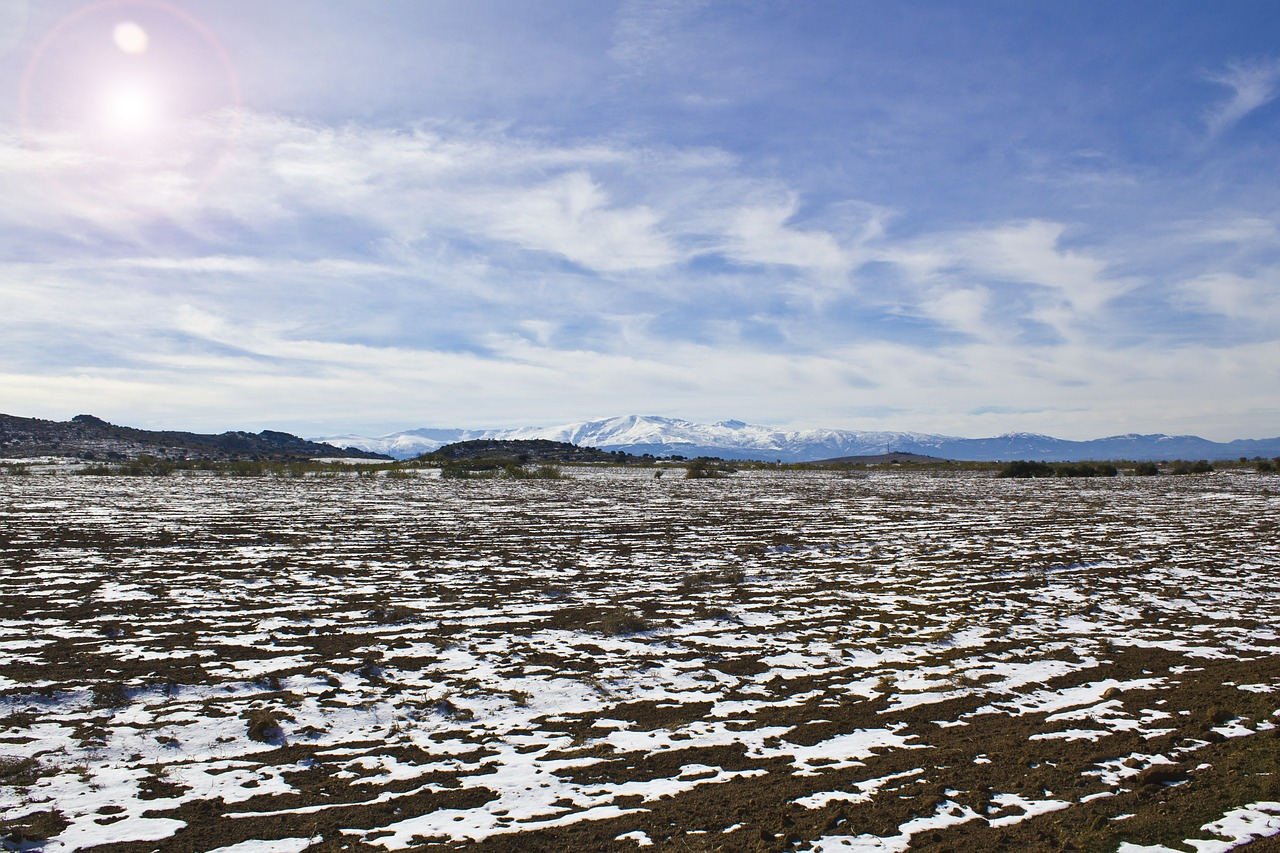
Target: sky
x=373, y=215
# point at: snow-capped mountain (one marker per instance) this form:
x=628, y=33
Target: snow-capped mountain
x=737, y=440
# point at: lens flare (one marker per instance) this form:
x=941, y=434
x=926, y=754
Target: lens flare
x=136, y=93
x=130, y=37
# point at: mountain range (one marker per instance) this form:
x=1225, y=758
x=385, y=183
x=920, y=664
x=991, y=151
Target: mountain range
x=640, y=434
x=90, y=438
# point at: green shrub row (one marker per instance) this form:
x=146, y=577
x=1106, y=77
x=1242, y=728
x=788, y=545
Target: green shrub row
x=1026, y=469
x=492, y=469
x=705, y=468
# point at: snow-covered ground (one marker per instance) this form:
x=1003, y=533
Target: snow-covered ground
x=770, y=661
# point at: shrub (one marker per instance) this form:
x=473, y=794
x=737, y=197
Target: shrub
x=19, y=771
x=455, y=471
x=1265, y=467
x=621, y=621
x=464, y=469
x=1085, y=469
x=1201, y=467
x=264, y=726
x=512, y=469
x=1024, y=470
x=247, y=468
x=704, y=468
x=541, y=472
x=446, y=708
x=147, y=466
x=110, y=695
x=1146, y=469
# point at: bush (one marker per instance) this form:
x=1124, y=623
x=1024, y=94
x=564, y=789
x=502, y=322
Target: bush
x=511, y=469
x=264, y=726
x=147, y=466
x=1146, y=469
x=1085, y=469
x=1201, y=467
x=19, y=771
x=1024, y=470
x=622, y=622
x=704, y=468
x=247, y=468
x=455, y=471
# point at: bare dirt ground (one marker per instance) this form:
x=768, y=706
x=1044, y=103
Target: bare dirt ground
x=774, y=661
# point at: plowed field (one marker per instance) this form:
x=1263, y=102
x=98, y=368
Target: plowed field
x=772, y=661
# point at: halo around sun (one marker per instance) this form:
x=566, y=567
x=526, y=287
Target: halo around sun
x=129, y=93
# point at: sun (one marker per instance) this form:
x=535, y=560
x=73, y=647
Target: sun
x=129, y=108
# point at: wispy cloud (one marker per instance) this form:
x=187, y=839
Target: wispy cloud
x=609, y=208
x=253, y=372
x=645, y=29
x=763, y=234
x=1252, y=300
x=1252, y=84
x=1020, y=267
x=572, y=216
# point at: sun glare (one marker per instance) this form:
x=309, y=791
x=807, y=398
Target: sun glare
x=142, y=88
x=129, y=109
x=130, y=37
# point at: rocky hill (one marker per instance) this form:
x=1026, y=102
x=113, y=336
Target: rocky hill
x=535, y=450
x=90, y=438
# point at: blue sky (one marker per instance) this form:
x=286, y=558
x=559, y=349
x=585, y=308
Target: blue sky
x=965, y=218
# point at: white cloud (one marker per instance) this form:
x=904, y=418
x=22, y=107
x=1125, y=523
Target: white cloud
x=1253, y=85
x=1059, y=287
x=611, y=209
x=964, y=309
x=243, y=266
x=571, y=216
x=1254, y=300
x=263, y=374
x=1249, y=230
x=760, y=234
x=1030, y=253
